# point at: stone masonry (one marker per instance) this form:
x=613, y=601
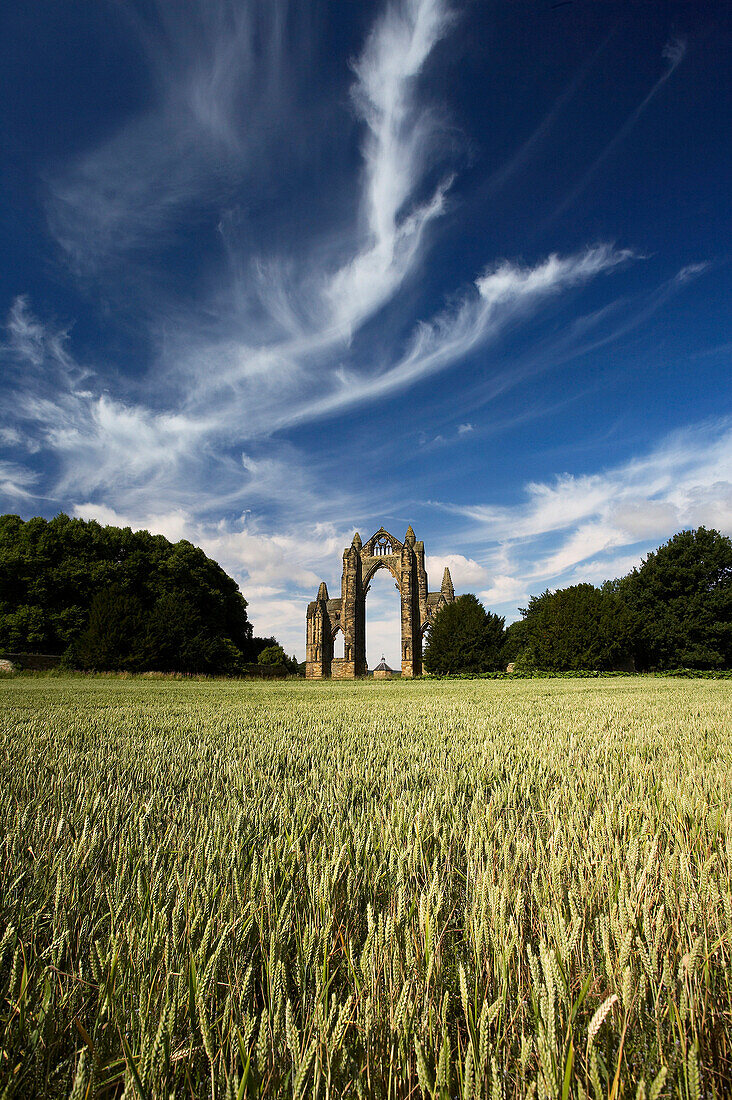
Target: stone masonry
x=325, y=617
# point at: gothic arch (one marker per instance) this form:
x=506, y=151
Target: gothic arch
x=380, y=563
x=325, y=617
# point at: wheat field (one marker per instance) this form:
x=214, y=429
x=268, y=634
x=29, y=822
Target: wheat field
x=466, y=889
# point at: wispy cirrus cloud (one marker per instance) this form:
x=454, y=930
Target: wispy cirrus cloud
x=673, y=53
x=33, y=344
x=404, y=139
x=221, y=89
x=271, y=347
x=279, y=353
x=16, y=482
x=503, y=293
x=107, y=444
x=682, y=474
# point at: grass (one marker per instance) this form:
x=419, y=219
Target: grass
x=395, y=890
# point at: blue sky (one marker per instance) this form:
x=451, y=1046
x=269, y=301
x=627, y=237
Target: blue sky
x=274, y=272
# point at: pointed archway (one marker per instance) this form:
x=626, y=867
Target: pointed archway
x=383, y=617
x=405, y=560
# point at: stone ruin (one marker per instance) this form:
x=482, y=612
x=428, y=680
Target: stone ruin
x=325, y=617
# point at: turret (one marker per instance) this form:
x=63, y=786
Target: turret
x=357, y=541
x=446, y=587
x=410, y=537
x=323, y=591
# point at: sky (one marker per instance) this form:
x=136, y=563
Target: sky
x=276, y=272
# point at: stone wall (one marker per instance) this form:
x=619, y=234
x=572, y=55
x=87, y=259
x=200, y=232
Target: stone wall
x=34, y=662
x=341, y=669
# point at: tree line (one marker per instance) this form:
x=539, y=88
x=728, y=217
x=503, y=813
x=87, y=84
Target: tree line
x=672, y=611
x=108, y=597
x=111, y=598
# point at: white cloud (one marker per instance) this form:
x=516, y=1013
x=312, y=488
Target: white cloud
x=33, y=343
x=172, y=525
x=403, y=141
x=359, y=288
x=674, y=52
x=504, y=589
x=690, y=271
x=15, y=481
x=597, y=526
x=108, y=446
x=463, y=429
x=587, y=540
x=644, y=519
x=465, y=572
x=400, y=135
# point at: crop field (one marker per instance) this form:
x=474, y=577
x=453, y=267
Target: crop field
x=406, y=889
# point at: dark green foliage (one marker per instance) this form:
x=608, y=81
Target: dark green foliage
x=173, y=630
x=256, y=645
x=680, y=601
x=464, y=638
x=177, y=639
x=110, y=597
x=115, y=636
x=580, y=627
x=514, y=641
x=274, y=656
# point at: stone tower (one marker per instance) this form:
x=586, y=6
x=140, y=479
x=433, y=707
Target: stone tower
x=325, y=617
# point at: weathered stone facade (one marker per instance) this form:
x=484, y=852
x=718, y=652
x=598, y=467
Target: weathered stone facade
x=405, y=561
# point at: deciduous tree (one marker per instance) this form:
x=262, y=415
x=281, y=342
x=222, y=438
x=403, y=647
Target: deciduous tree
x=54, y=574
x=580, y=627
x=680, y=601
x=464, y=638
